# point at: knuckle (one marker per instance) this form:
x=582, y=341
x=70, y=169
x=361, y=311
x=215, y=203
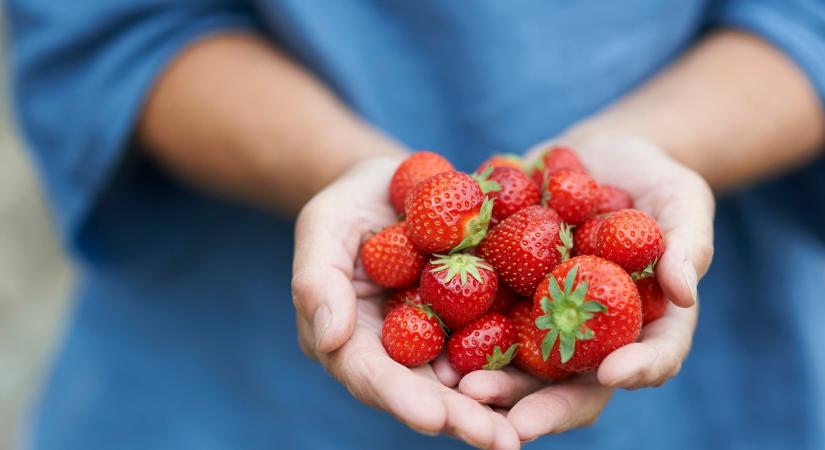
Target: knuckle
x=304, y=285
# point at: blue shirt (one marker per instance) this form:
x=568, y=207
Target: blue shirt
x=181, y=334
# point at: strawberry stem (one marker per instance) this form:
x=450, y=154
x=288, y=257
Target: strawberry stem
x=498, y=359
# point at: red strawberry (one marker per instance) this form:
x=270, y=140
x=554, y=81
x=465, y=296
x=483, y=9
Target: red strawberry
x=631, y=239
x=654, y=303
x=412, y=335
x=555, y=160
x=413, y=170
x=584, y=238
x=528, y=358
x=510, y=189
x=597, y=311
x=401, y=297
x=486, y=343
x=459, y=287
x=503, y=299
x=502, y=160
x=390, y=259
x=447, y=212
x=611, y=199
x=524, y=247
x=572, y=194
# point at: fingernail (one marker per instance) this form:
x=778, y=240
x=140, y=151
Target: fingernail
x=690, y=278
x=320, y=323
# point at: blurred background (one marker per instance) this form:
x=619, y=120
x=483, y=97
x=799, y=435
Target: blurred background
x=34, y=275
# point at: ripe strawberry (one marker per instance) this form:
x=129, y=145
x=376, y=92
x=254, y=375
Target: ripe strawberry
x=631, y=239
x=412, y=335
x=654, y=303
x=390, y=258
x=455, y=296
x=510, y=189
x=597, y=311
x=486, y=343
x=555, y=160
x=502, y=160
x=584, y=238
x=611, y=198
x=528, y=358
x=503, y=299
x=447, y=212
x=572, y=194
x=416, y=168
x=524, y=247
x=401, y=297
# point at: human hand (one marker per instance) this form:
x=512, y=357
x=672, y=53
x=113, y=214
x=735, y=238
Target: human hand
x=339, y=315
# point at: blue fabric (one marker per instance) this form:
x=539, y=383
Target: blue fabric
x=182, y=333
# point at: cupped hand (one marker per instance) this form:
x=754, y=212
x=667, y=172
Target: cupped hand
x=339, y=315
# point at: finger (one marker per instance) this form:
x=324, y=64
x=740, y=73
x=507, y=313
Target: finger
x=306, y=340
x=506, y=437
x=573, y=403
x=658, y=357
x=469, y=420
x=498, y=387
x=445, y=372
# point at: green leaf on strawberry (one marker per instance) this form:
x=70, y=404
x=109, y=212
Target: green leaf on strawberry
x=498, y=359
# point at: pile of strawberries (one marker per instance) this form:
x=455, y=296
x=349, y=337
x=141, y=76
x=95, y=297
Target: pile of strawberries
x=539, y=266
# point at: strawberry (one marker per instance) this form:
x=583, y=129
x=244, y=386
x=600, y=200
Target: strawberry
x=572, y=194
x=611, y=198
x=510, y=189
x=584, y=238
x=502, y=160
x=597, y=311
x=416, y=168
x=412, y=335
x=654, y=303
x=631, y=239
x=555, y=160
x=528, y=358
x=401, y=297
x=503, y=299
x=390, y=259
x=486, y=343
x=447, y=212
x=524, y=247
x=459, y=287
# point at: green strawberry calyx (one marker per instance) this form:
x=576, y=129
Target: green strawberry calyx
x=498, y=359
x=647, y=272
x=566, y=235
x=461, y=264
x=487, y=185
x=565, y=315
x=477, y=227
x=428, y=310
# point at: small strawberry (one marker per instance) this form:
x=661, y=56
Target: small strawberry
x=631, y=239
x=654, y=303
x=524, y=247
x=503, y=299
x=390, y=258
x=528, y=358
x=597, y=311
x=510, y=189
x=554, y=160
x=447, y=212
x=401, y=297
x=572, y=194
x=584, y=238
x=502, y=160
x=486, y=343
x=611, y=198
x=412, y=335
x=459, y=287
x=416, y=168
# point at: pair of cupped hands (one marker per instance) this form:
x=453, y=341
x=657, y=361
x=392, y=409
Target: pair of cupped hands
x=339, y=315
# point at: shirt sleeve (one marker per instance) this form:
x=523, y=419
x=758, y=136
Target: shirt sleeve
x=797, y=27
x=80, y=73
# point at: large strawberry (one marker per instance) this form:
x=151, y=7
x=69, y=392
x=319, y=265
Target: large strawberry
x=447, y=212
x=503, y=299
x=485, y=343
x=459, y=287
x=584, y=237
x=524, y=247
x=528, y=358
x=572, y=194
x=631, y=239
x=390, y=258
x=412, y=335
x=611, y=199
x=654, y=303
x=413, y=170
x=502, y=160
x=510, y=189
x=555, y=160
x=401, y=297
x=597, y=310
